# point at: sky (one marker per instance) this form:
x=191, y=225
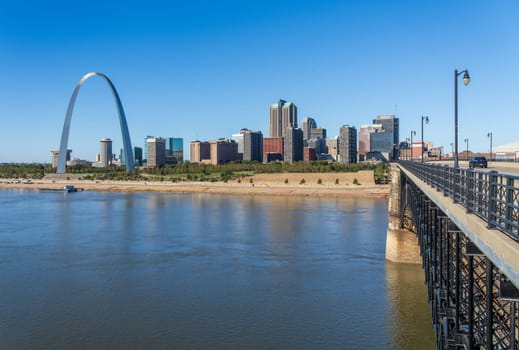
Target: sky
x=203, y=70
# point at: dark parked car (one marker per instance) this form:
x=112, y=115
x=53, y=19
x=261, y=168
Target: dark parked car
x=478, y=161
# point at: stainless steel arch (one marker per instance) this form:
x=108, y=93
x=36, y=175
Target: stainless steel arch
x=127, y=144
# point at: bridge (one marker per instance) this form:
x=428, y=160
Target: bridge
x=466, y=225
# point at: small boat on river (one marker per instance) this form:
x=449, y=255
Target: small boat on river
x=66, y=189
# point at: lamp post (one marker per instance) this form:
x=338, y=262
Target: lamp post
x=426, y=119
x=466, y=81
x=490, y=136
x=412, y=133
x=467, y=142
x=408, y=148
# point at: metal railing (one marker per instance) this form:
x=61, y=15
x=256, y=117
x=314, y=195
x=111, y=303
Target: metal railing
x=492, y=196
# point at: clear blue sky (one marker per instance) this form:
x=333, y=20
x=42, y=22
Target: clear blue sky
x=205, y=69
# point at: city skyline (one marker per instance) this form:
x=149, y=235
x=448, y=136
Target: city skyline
x=180, y=67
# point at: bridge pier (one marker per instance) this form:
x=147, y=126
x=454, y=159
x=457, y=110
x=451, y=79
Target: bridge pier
x=401, y=242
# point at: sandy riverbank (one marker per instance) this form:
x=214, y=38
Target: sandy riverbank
x=314, y=184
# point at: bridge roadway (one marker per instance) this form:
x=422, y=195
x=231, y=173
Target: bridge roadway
x=467, y=226
x=500, y=248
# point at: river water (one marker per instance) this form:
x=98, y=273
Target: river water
x=95, y=270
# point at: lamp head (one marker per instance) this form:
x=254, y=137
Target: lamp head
x=426, y=119
x=466, y=78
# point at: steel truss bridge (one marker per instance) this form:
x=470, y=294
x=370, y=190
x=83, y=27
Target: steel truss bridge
x=467, y=223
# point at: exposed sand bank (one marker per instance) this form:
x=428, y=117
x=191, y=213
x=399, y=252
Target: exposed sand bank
x=262, y=184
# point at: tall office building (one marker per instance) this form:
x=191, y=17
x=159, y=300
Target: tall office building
x=145, y=154
x=175, y=148
x=156, y=151
x=283, y=114
x=390, y=124
x=307, y=125
x=348, y=144
x=252, y=145
x=200, y=151
x=223, y=151
x=105, y=156
x=238, y=138
x=364, y=138
x=293, y=145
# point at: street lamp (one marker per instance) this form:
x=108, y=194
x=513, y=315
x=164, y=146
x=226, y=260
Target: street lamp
x=466, y=81
x=408, y=147
x=467, y=142
x=426, y=119
x=490, y=136
x=412, y=133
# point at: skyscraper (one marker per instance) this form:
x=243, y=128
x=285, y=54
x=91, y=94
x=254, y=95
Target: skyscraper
x=175, y=148
x=348, y=144
x=105, y=156
x=364, y=138
x=390, y=124
x=307, y=125
x=252, y=145
x=283, y=114
x=145, y=155
x=156, y=151
x=293, y=145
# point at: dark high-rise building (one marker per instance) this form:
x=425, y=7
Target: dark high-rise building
x=348, y=144
x=293, y=144
x=283, y=114
x=252, y=145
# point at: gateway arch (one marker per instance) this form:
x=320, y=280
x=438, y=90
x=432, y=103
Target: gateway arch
x=127, y=144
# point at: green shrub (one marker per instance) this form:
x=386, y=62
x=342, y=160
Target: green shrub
x=302, y=182
x=319, y=182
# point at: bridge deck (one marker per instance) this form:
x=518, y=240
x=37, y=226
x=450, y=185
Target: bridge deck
x=502, y=250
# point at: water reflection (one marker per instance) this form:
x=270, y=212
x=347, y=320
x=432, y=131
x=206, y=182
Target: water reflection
x=161, y=271
x=411, y=315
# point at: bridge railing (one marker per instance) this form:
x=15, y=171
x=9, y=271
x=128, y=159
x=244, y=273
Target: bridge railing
x=492, y=196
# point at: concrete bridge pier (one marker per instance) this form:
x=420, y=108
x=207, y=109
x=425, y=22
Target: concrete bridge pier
x=401, y=240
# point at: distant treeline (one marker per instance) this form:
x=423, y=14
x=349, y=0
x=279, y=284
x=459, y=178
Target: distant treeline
x=24, y=171
x=194, y=171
